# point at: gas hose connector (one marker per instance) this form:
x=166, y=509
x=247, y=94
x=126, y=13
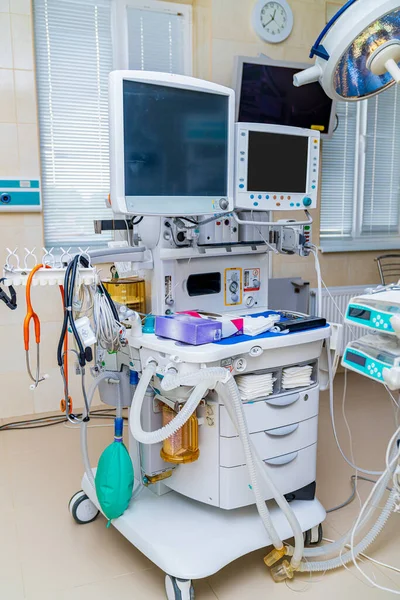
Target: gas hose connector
x=283, y=571
x=275, y=555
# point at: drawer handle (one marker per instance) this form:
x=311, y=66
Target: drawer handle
x=285, y=401
x=280, y=461
x=282, y=431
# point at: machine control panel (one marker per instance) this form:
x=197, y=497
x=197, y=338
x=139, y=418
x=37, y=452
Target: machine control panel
x=276, y=168
x=368, y=316
x=364, y=364
x=242, y=286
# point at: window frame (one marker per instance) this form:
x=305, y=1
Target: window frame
x=357, y=242
x=119, y=28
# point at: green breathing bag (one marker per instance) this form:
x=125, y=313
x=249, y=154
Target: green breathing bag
x=114, y=477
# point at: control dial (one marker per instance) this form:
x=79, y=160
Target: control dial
x=234, y=286
x=223, y=204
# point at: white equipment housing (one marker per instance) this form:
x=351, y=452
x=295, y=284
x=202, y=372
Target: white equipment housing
x=276, y=167
x=218, y=265
x=195, y=187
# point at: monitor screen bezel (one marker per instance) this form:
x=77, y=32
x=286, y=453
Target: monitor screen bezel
x=267, y=61
x=162, y=205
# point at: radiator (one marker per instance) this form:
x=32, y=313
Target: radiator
x=334, y=308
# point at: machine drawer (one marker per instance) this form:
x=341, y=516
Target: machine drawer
x=270, y=443
x=290, y=472
x=274, y=412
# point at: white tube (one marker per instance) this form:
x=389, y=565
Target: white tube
x=332, y=412
x=233, y=403
x=154, y=437
x=308, y=75
x=343, y=559
x=212, y=375
x=319, y=280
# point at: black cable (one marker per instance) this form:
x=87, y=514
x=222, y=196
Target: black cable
x=189, y=220
x=140, y=219
x=39, y=423
x=337, y=123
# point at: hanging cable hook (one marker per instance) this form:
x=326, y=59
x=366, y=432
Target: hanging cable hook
x=65, y=257
x=48, y=258
x=12, y=255
x=30, y=253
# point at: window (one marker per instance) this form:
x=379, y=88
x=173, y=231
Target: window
x=76, y=48
x=361, y=177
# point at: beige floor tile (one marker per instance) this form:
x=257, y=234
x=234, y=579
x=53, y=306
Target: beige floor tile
x=66, y=555
x=146, y=585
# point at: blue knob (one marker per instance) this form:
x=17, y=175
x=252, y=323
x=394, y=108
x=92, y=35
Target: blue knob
x=307, y=201
x=5, y=198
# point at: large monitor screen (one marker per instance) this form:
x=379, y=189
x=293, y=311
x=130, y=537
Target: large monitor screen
x=277, y=163
x=267, y=95
x=175, y=141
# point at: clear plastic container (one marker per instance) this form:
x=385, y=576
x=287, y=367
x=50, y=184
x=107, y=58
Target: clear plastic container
x=130, y=291
x=183, y=446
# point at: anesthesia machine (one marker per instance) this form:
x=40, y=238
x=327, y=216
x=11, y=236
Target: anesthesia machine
x=223, y=393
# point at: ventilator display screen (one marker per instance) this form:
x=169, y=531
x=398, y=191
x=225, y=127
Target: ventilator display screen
x=277, y=163
x=175, y=141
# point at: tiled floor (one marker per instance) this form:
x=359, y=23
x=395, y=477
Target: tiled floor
x=44, y=555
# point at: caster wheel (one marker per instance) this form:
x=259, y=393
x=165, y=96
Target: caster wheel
x=313, y=536
x=82, y=508
x=178, y=589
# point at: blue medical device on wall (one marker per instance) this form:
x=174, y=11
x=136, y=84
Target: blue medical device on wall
x=20, y=195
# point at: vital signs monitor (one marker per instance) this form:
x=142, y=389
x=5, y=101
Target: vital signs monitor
x=276, y=167
x=172, y=144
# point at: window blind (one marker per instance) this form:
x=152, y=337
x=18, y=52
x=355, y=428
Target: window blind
x=73, y=60
x=338, y=175
x=382, y=166
x=156, y=40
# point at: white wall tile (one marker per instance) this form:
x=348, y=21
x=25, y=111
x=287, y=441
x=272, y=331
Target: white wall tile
x=16, y=398
x=6, y=56
x=28, y=145
x=9, y=163
x=25, y=94
x=21, y=29
x=4, y=6
x=7, y=97
x=21, y=7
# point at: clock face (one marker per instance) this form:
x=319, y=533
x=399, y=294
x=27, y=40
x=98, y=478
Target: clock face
x=274, y=19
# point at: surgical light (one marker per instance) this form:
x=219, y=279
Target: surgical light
x=358, y=52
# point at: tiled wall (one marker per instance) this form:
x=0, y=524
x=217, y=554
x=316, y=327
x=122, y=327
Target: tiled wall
x=19, y=158
x=221, y=30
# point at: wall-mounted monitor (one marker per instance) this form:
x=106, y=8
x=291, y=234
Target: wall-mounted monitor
x=171, y=144
x=276, y=167
x=265, y=94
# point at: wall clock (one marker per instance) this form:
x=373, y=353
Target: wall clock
x=273, y=20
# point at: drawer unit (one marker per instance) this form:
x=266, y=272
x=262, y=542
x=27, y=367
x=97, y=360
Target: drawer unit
x=290, y=472
x=274, y=412
x=270, y=443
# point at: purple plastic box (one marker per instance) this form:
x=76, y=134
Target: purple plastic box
x=187, y=329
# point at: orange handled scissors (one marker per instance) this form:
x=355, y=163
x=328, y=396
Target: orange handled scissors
x=31, y=315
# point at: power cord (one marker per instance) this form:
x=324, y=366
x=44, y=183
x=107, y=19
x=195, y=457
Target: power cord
x=52, y=420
